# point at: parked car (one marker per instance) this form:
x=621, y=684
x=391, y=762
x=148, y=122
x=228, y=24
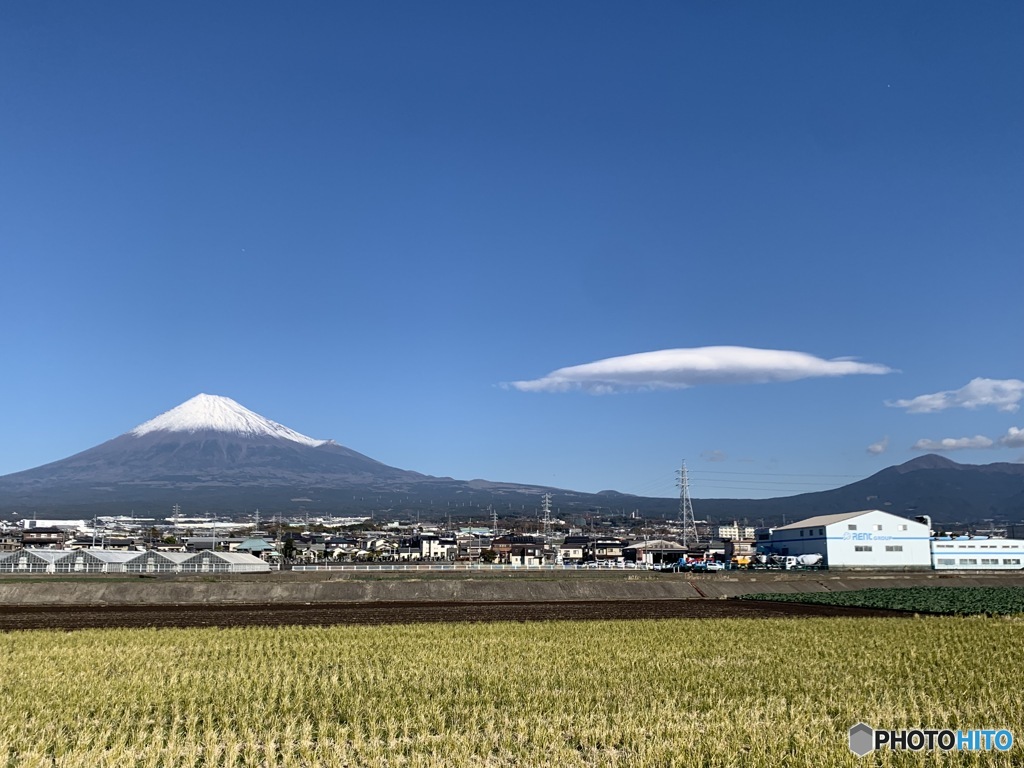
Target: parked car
x=706, y=566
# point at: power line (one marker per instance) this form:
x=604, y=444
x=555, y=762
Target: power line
x=779, y=491
x=767, y=482
x=771, y=474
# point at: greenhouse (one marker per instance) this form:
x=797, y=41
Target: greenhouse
x=241, y=562
x=153, y=561
x=72, y=561
x=95, y=561
x=223, y=562
x=32, y=561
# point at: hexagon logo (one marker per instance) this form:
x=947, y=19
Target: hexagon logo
x=862, y=739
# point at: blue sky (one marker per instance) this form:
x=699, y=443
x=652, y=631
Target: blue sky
x=418, y=229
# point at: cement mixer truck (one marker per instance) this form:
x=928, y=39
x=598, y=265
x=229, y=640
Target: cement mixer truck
x=788, y=562
x=802, y=561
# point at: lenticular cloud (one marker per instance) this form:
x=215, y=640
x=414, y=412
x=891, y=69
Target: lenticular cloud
x=681, y=368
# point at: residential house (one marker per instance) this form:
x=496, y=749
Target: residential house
x=575, y=549
x=654, y=552
x=518, y=549
x=45, y=538
x=607, y=549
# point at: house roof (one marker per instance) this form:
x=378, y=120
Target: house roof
x=507, y=540
x=822, y=520
x=256, y=545
x=657, y=544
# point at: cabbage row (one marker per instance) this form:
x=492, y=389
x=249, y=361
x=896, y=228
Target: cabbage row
x=960, y=601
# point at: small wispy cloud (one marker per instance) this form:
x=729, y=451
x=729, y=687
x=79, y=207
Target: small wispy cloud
x=1014, y=438
x=682, y=368
x=713, y=455
x=954, y=443
x=1002, y=394
x=876, y=449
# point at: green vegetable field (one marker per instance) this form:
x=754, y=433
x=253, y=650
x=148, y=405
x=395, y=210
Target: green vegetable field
x=660, y=693
x=962, y=601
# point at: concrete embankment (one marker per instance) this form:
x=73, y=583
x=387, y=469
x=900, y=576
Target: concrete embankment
x=289, y=588
x=161, y=592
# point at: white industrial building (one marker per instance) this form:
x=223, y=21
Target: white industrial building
x=977, y=553
x=876, y=539
x=866, y=539
x=64, y=525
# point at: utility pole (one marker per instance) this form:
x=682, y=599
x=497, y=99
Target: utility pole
x=686, y=508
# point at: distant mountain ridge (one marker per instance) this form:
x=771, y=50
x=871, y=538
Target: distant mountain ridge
x=213, y=454
x=930, y=484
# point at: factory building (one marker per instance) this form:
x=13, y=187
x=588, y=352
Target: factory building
x=977, y=553
x=866, y=539
x=876, y=539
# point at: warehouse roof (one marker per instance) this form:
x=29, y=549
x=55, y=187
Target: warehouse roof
x=823, y=520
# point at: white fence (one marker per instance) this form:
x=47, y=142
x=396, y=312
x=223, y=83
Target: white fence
x=459, y=567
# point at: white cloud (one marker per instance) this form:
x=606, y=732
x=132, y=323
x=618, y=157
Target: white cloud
x=954, y=443
x=1014, y=438
x=880, y=447
x=681, y=368
x=1003, y=394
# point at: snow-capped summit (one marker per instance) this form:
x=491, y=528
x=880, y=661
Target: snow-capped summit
x=213, y=413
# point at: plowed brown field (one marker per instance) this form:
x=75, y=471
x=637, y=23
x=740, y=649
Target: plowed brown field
x=325, y=614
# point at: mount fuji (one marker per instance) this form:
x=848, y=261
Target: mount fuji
x=211, y=453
